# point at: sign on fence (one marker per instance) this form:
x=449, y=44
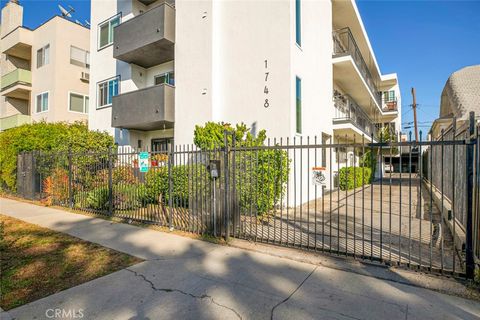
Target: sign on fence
x=143, y=161
x=318, y=176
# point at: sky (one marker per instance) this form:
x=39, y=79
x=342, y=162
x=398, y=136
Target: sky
x=422, y=41
x=35, y=12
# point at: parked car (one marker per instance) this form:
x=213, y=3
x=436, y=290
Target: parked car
x=388, y=167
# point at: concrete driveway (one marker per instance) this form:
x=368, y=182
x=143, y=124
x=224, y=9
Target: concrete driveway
x=183, y=278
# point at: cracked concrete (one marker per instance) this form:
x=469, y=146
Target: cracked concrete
x=203, y=296
x=287, y=298
x=183, y=278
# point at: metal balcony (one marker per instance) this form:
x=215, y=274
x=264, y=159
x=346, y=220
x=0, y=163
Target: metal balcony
x=348, y=111
x=344, y=45
x=389, y=105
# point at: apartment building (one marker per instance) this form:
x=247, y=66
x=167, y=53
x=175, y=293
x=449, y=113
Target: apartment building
x=295, y=68
x=44, y=71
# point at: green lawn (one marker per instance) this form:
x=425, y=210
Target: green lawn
x=36, y=262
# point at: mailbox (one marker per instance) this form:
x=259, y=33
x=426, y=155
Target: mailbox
x=214, y=168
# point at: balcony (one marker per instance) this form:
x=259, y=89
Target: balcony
x=146, y=109
x=17, y=84
x=14, y=121
x=351, y=119
x=18, y=43
x=351, y=69
x=389, y=105
x=148, y=39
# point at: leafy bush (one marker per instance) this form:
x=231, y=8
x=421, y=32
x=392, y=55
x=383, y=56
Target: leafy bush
x=263, y=173
x=55, y=187
x=129, y=197
x=354, y=177
x=42, y=136
x=125, y=197
x=157, y=183
x=97, y=199
x=120, y=174
x=261, y=178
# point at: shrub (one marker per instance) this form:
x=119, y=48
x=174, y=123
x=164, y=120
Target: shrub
x=263, y=173
x=129, y=197
x=97, y=199
x=120, y=175
x=55, y=187
x=183, y=176
x=44, y=136
x=124, y=197
x=354, y=177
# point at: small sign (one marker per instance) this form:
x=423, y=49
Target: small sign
x=143, y=162
x=318, y=176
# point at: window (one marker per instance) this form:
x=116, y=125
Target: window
x=298, y=93
x=389, y=96
x=168, y=78
x=105, y=31
x=43, y=56
x=78, y=103
x=298, y=23
x=163, y=144
x=106, y=90
x=79, y=57
x=42, y=102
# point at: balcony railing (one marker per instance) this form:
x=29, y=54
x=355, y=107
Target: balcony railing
x=344, y=44
x=17, y=76
x=346, y=109
x=389, y=105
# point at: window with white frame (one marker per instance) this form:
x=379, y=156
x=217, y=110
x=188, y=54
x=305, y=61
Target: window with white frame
x=105, y=31
x=106, y=90
x=389, y=96
x=42, y=102
x=43, y=56
x=79, y=57
x=78, y=103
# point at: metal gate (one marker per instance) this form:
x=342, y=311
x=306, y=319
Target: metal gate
x=404, y=203
x=416, y=216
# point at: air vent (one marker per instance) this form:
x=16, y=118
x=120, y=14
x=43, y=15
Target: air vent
x=85, y=76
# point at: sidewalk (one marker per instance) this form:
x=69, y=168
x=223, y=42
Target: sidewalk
x=183, y=278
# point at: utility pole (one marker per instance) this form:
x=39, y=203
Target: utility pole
x=414, y=107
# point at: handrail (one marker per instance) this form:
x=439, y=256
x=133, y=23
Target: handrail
x=347, y=109
x=344, y=44
x=389, y=105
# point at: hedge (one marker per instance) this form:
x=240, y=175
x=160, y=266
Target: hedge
x=354, y=177
x=42, y=136
x=183, y=176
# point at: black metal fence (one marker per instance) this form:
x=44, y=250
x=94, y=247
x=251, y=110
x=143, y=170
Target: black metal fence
x=331, y=197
